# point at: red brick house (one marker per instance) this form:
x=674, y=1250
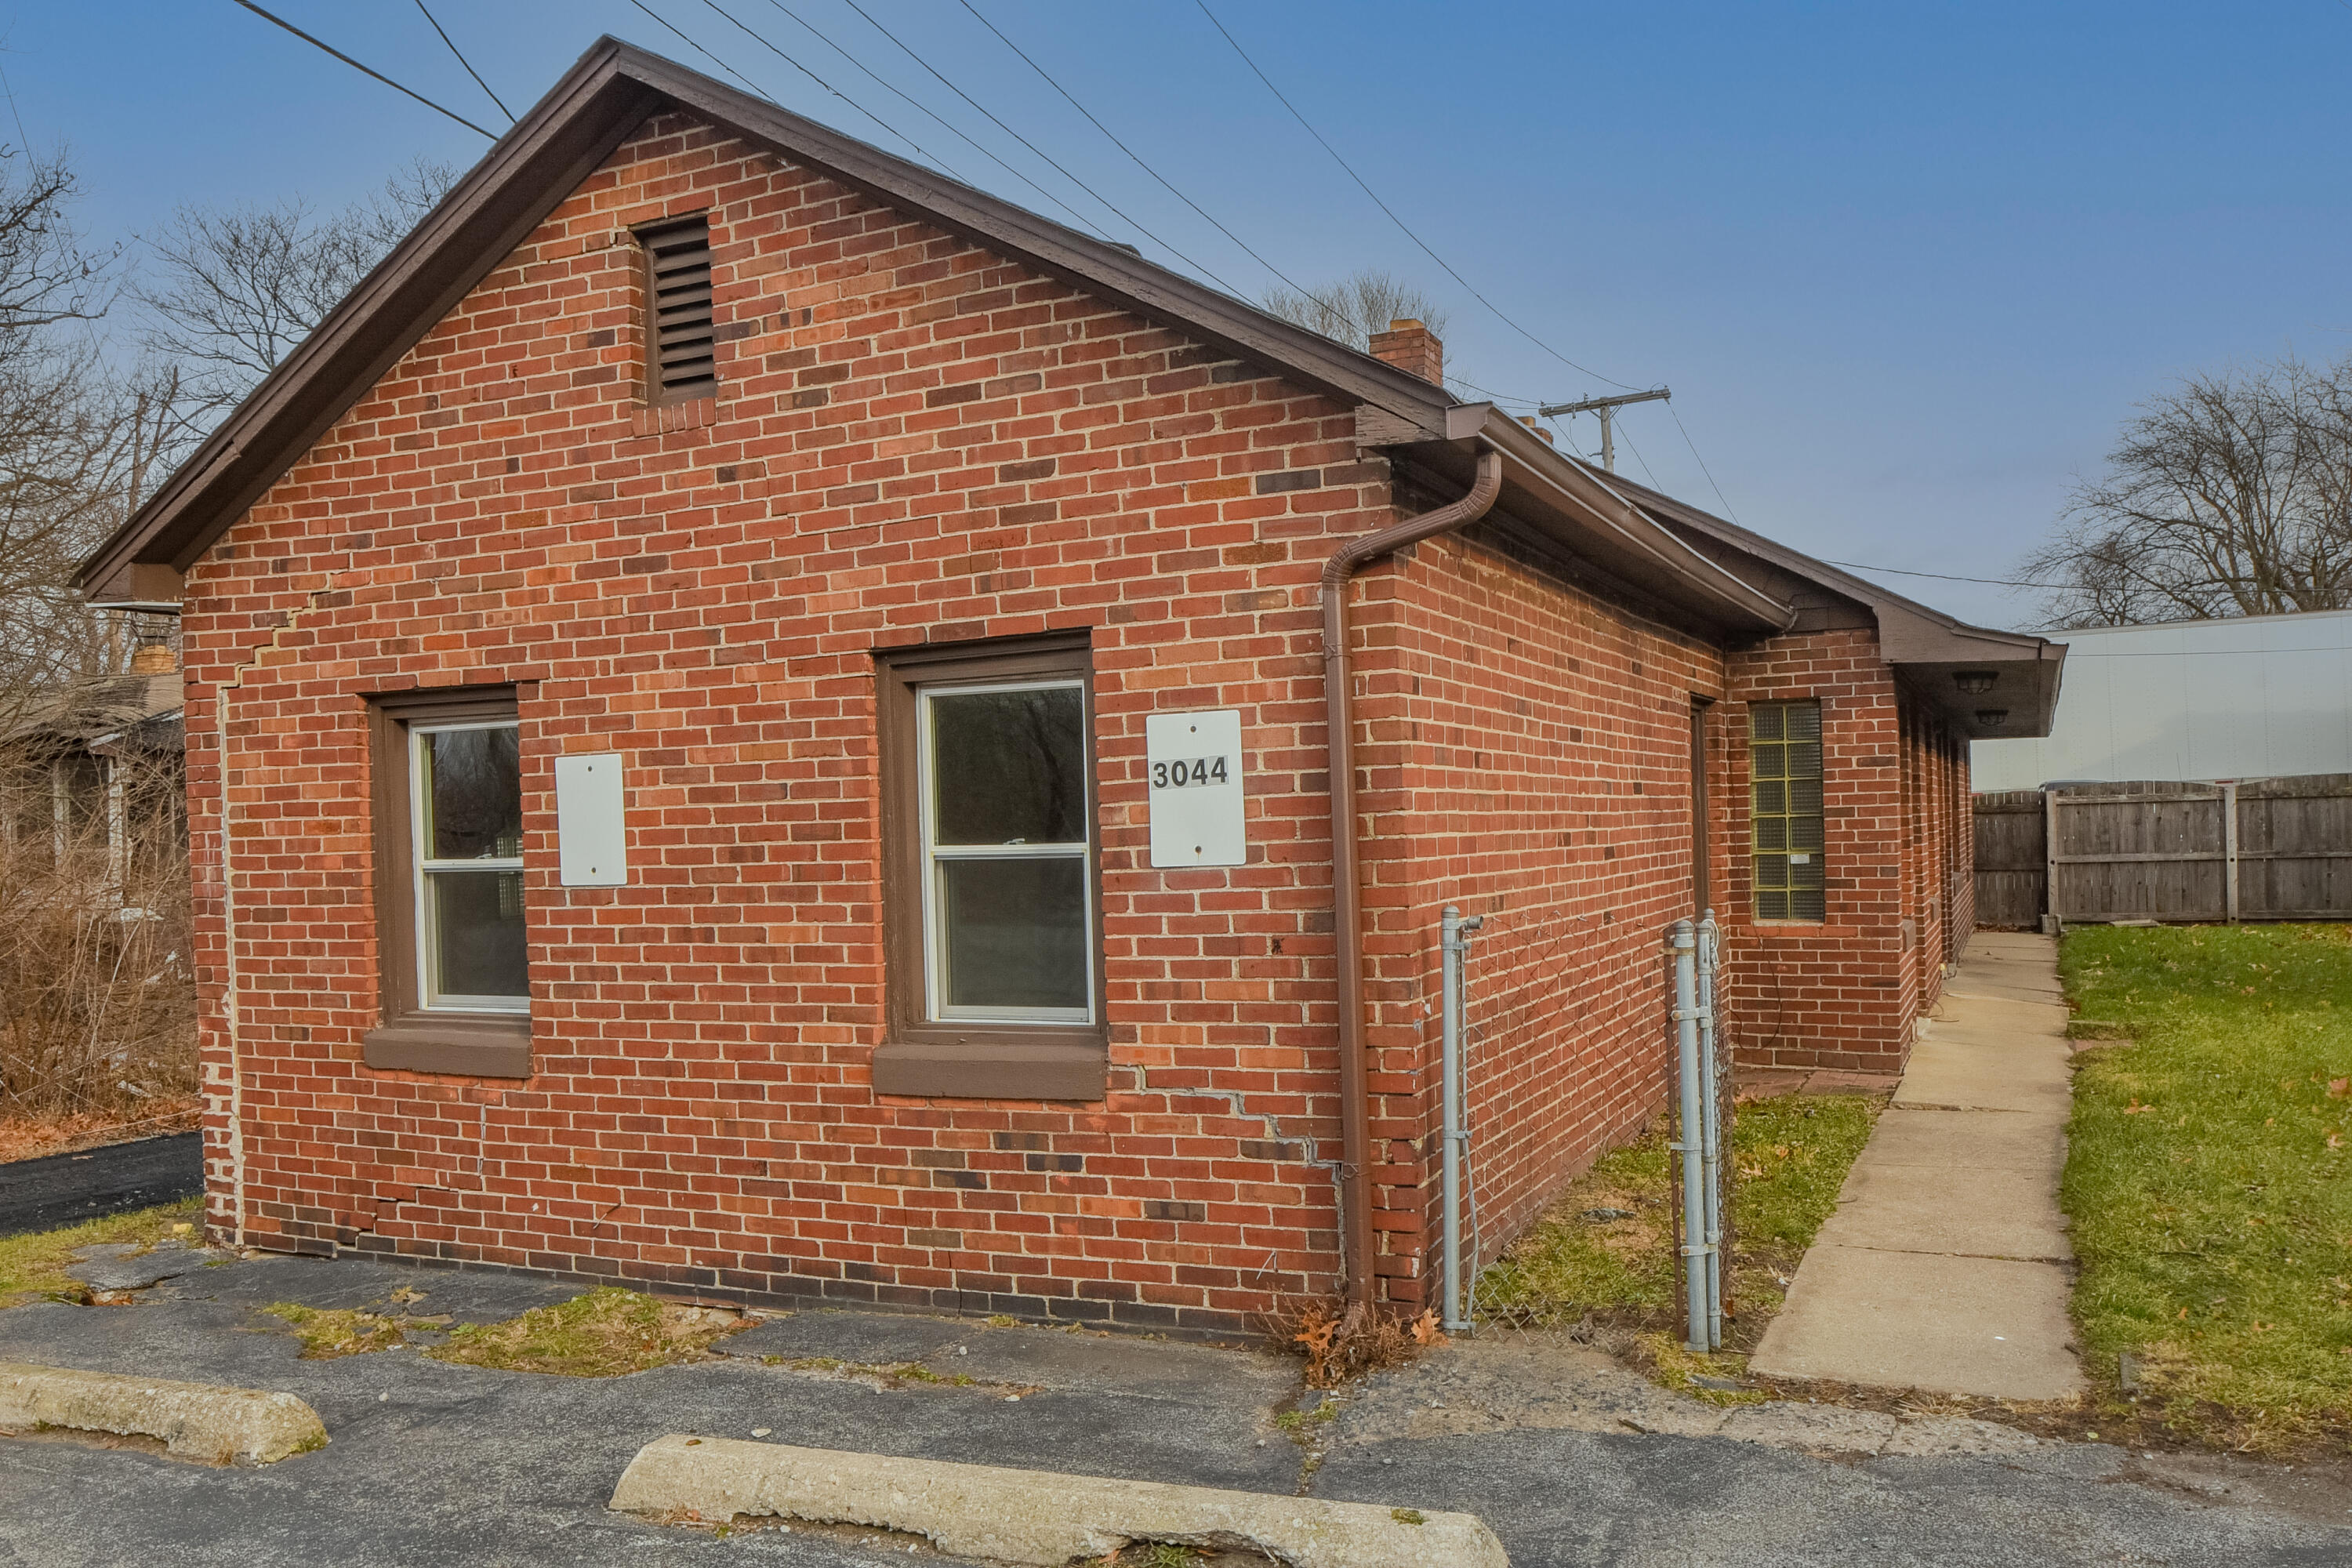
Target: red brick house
x=759, y=723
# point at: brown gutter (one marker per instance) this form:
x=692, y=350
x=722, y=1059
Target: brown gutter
x=1347, y=890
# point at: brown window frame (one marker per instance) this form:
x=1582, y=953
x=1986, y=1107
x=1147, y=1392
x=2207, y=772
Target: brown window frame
x=656, y=394
x=967, y=1059
x=409, y=1037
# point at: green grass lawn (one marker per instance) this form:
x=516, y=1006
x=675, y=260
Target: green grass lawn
x=1793, y=1152
x=2209, y=1175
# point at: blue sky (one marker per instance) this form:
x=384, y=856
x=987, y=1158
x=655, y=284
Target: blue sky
x=1906, y=268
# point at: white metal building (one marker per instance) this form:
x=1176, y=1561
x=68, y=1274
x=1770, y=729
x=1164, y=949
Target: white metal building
x=2258, y=697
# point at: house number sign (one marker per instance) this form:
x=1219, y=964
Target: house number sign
x=1192, y=763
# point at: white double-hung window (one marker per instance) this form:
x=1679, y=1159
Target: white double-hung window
x=1006, y=852
x=466, y=833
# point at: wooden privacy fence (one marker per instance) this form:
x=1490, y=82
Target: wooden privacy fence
x=2256, y=849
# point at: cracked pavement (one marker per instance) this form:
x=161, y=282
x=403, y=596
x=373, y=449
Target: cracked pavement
x=1570, y=1457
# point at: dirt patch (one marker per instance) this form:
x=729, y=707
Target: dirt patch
x=891, y=1374
x=2099, y=1417
x=75, y=1437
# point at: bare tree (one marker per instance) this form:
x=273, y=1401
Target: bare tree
x=60, y=431
x=237, y=288
x=47, y=274
x=1351, y=310
x=2228, y=495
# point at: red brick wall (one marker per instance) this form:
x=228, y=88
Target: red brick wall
x=1841, y=994
x=1527, y=760
x=914, y=441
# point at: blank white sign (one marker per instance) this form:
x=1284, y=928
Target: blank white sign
x=591, y=828
x=1192, y=763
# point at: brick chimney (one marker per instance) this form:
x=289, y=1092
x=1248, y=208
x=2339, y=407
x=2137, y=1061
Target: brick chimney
x=153, y=659
x=1411, y=346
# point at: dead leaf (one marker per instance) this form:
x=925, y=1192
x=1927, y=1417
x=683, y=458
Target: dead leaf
x=1425, y=1330
x=2134, y=1108
x=2337, y=1088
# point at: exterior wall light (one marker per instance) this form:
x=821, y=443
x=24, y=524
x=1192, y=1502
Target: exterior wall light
x=1976, y=683
x=1992, y=717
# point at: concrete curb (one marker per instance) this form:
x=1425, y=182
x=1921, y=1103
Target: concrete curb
x=1035, y=1516
x=195, y=1420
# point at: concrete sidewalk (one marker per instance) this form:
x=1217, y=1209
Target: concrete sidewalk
x=1945, y=1265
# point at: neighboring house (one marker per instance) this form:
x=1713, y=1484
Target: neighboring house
x=90, y=788
x=2251, y=697
x=759, y=725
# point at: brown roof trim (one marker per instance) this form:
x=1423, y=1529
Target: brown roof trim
x=609, y=92
x=1925, y=643
x=1539, y=480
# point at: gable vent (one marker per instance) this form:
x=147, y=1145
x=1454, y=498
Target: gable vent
x=678, y=258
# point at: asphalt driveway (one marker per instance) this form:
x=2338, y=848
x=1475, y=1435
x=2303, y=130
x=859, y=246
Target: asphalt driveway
x=63, y=1189
x=1567, y=1460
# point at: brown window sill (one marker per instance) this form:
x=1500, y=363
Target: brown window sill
x=993, y=1067
x=470, y=1045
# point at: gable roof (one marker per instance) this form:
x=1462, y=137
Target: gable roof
x=614, y=89
x=1642, y=538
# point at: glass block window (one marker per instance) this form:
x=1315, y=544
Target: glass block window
x=1784, y=769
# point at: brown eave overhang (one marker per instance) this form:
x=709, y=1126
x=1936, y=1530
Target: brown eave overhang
x=1578, y=509
x=1928, y=650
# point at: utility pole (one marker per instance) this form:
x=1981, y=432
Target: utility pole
x=1606, y=407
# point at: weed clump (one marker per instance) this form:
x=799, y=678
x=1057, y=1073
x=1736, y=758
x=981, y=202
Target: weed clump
x=607, y=1332
x=1342, y=1341
x=327, y=1333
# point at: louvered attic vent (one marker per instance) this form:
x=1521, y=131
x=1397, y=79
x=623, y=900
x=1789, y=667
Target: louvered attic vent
x=677, y=259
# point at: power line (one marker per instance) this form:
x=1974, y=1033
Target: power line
x=367, y=70
x=1497, y=396
x=920, y=150
x=1702, y=465
x=1944, y=576
x=1384, y=207
x=466, y=63
x=1627, y=436
x=1131, y=153
x=1040, y=153
x=664, y=23
x=947, y=125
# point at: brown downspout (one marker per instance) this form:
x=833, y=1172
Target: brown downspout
x=1346, y=891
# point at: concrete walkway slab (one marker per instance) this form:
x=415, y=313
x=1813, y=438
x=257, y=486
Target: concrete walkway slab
x=1945, y=1264
x=2009, y=983
x=1969, y=1140
x=1944, y=1075
x=1966, y=1212
x=1989, y=1327
x=1998, y=1018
